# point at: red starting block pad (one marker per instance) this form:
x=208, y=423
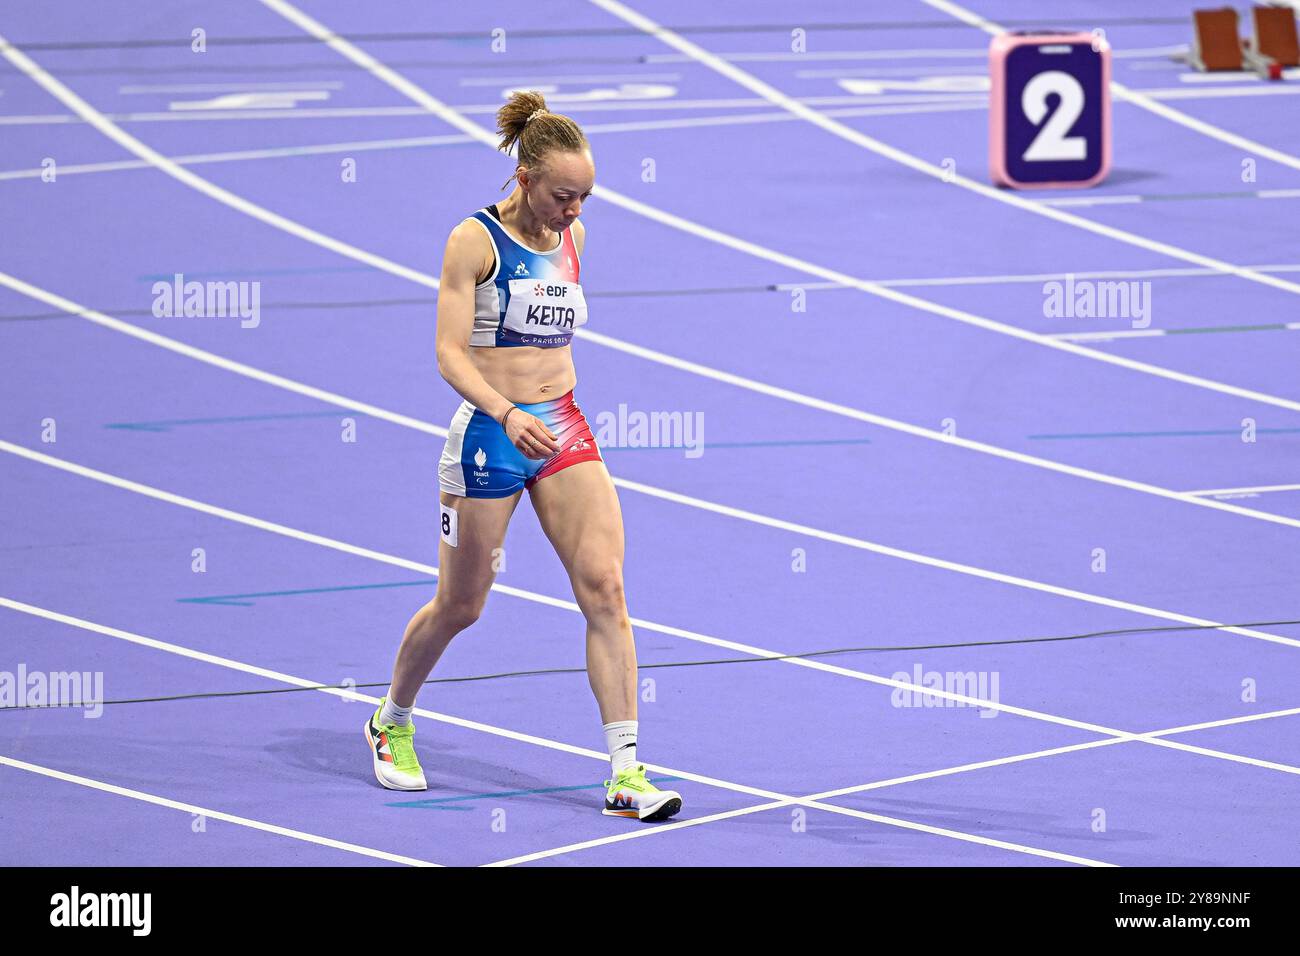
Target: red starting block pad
x=1217, y=45
x=1216, y=41
x=1275, y=39
x=1049, y=110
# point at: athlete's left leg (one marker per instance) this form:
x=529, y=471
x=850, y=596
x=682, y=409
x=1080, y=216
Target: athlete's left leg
x=578, y=510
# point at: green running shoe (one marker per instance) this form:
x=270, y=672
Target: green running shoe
x=391, y=746
x=630, y=794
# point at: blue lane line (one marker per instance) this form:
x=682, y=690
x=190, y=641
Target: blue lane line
x=166, y=424
x=443, y=803
x=1168, y=434
x=163, y=425
x=241, y=600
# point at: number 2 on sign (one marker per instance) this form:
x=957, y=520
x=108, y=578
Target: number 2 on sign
x=1051, y=143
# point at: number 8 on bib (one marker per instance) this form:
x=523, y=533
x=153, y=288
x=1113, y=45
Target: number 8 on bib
x=1049, y=109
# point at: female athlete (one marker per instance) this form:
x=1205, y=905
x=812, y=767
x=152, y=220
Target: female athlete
x=508, y=306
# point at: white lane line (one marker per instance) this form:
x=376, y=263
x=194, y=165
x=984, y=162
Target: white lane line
x=1257, y=489
x=777, y=804
x=922, y=69
x=1092, y=201
x=276, y=152
x=435, y=106
x=221, y=362
x=128, y=142
x=694, y=636
x=1227, y=722
x=1233, y=76
x=530, y=738
x=1035, y=278
x=1128, y=200
x=451, y=117
x=845, y=411
x=1147, y=333
x=405, y=86
x=429, y=428
x=1147, y=99
x=504, y=81
x=833, y=106
x=406, y=421
x=138, y=89
x=204, y=811
x=762, y=652
x=973, y=100
x=878, y=785
x=440, y=109
x=1140, y=97
x=668, y=827
x=921, y=54
x=454, y=139
x=849, y=134
x=1107, y=336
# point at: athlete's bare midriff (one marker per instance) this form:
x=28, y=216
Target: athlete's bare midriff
x=526, y=374
x=523, y=373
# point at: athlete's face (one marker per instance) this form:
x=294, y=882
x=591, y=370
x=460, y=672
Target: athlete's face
x=556, y=196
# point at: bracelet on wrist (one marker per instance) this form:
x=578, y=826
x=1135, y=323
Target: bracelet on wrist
x=507, y=415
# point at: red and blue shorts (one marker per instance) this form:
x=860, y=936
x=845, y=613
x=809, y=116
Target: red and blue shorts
x=478, y=460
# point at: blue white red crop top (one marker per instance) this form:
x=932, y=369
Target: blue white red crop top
x=531, y=298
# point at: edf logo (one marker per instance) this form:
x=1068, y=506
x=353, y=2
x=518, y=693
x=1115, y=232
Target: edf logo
x=557, y=290
x=1049, y=109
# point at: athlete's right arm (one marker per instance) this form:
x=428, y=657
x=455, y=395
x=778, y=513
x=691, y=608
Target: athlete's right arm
x=460, y=263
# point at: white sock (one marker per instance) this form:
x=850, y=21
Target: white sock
x=392, y=714
x=620, y=740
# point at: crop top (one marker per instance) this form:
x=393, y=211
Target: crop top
x=532, y=297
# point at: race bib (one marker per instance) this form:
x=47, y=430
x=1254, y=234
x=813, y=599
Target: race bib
x=543, y=312
x=448, y=519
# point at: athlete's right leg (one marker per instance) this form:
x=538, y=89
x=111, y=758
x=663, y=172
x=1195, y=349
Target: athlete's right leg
x=465, y=575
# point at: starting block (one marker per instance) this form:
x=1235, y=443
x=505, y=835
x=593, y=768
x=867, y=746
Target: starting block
x=1217, y=44
x=1216, y=41
x=1049, y=109
x=1275, y=40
